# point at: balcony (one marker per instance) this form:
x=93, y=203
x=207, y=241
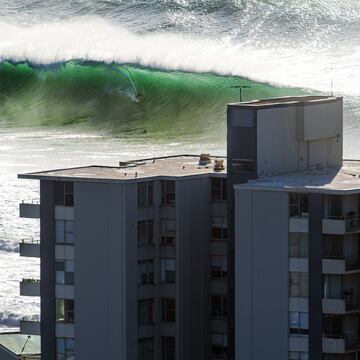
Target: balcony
x=348, y=304
x=299, y=224
x=30, y=287
x=339, y=344
x=341, y=225
x=30, y=248
x=339, y=265
x=30, y=209
x=30, y=325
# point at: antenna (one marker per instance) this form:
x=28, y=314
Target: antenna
x=332, y=82
x=240, y=87
x=27, y=340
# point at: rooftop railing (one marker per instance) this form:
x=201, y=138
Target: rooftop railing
x=34, y=201
x=30, y=241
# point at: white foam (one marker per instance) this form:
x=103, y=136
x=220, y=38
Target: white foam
x=304, y=65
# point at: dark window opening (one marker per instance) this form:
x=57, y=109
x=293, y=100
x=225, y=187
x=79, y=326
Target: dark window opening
x=168, y=305
x=168, y=192
x=218, y=189
x=145, y=194
x=64, y=193
x=145, y=233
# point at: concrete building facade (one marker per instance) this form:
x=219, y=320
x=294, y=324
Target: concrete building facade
x=296, y=244
x=133, y=260
x=176, y=258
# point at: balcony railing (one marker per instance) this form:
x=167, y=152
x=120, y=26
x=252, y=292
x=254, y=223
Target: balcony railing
x=30, y=209
x=352, y=302
x=341, y=343
x=30, y=325
x=350, y=264
x=30, y=247
x=352, y=222
x=30, y=287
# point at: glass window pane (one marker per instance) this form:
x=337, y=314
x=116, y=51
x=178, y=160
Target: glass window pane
x=60, y=346
x=60, y=310
x=60, y=277
x=59, y=231
x=69, y=266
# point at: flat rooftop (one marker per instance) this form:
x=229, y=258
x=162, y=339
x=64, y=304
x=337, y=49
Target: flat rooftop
x=326, y=181
x=286, y=101
x=170, y=167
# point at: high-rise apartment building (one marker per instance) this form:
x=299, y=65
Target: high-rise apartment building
x=297, y=259
x=176, y=258
x=133, y=260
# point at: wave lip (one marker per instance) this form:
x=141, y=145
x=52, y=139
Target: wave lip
x=309, y=63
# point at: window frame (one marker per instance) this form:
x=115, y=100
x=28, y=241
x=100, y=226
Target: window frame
x=148, y=231
x=167, y=275
x=219, y=306
x=146, y=308
x=148, y=265
x=218, y=188
x=168, y=309
x=168, y=196
x=145, y=194
x=65, y=311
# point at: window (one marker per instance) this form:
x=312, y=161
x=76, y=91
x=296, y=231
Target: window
x=219, y=227
x=65, y=310
x=219, y=305
x=168, y=192
x=333, y=246
x=299, y=243
x=64, y=231
x=298, y=205
x=146, y=349
x=65, y=349
x=168, y=345
x=145, y=233
x=168, y=232
x=64, y=272
x=145, y=311
x=168, y=270
x=219, y=268
x=218, y=189
x=298, y=355
x=333, y=288
x=145, y=272
x=243, y=166
x=219, y=345
x=299, y=284
x=299, y=323
x=145, y=194
x=64, y=193
x=168, y=305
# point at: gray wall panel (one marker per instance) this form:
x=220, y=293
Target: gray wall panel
x=100, y=257
x=262, y=249
x=192, y=207
x=47, y=267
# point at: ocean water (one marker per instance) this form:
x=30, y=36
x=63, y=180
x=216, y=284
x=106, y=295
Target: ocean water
x=92, y=82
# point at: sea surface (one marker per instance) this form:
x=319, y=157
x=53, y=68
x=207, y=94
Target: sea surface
x=94, y=82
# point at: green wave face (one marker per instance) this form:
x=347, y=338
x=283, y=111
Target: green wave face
x=121, y=98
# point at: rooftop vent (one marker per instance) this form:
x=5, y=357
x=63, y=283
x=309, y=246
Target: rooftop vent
x=204, y=159
x=219, y=165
